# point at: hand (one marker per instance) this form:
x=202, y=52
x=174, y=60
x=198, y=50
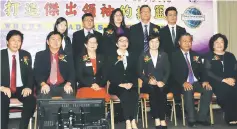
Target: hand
x=26, y=92
x=128, y=86
x=232, y=80
x=152, y=82
x=206, y=86
x=123, y=85
x=95, y=87
x=229, y=81
x=68, y=88
x=45, y=89
x=6, y=91
x=160, y=84
x=187, y=86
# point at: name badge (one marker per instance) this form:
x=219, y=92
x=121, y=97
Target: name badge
x=88, y=64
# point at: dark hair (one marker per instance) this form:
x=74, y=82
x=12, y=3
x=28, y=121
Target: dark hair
x=111, y=19
x=153, y=36
x=170, y=9
x=144, y=6
x=122, y=35
x=54, y=33
x=58, y=21
x=89, y=36
x=214, y=38
x=13, y=33
x=186, y=34
x=86, y=15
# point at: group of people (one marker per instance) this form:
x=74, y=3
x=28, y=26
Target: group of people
x=161, y=57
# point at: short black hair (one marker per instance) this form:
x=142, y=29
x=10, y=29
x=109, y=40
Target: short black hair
x=214, y=38
x=86, y=15
x=13, y=33
x=172, y=8
x=121, y=35
x=89, y=36
x=58, y=21
x=153, y=36
x=54, y=33
x=186, y=34
x=144, y=6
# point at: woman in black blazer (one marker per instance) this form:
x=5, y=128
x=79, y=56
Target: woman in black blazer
x=123, y=80
x=116, y=27
x=90, y=71
x=154, y=70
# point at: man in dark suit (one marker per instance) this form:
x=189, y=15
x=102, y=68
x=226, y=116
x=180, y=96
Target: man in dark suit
x=187, y=71
x=54, y=69
x=139, y=32
x=78, y=39
x=16, y=79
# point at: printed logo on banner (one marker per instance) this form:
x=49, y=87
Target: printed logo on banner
x=193, y=17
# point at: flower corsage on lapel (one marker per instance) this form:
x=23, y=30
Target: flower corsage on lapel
x=156, y=30
x=120, y=58
x=26, y=60
x=109, y=32
x=86, y=58
x=61, y=57
x=147, y=59
x=196, y=59
x=216, y=57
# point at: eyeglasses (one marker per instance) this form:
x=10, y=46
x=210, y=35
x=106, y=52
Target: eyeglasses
x=123, y=40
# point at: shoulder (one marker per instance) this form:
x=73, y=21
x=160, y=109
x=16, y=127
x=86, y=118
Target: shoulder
x=155, y=26
x=77, y=32
x=3, y=51
x=24, y=52
x=40, y=53
x=97, y=33
x=229, y=54
x=135, y=26
x=179, y=27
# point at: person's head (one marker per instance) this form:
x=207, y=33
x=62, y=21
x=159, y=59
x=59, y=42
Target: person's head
x=218, y=43
x=122, y=42
x=145, y=13
x=117, y=17
x=88, y=21
x=91, y=43
x=154, y=41
x=185, y=42
x=54, y=40
x=171, y=15
x=14, y=40
x=61, y=26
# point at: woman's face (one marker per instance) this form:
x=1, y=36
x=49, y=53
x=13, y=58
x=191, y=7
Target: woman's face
x=122, y=43
x=118, y=18
x=219, y=45
x=154, y=44
x=92, y=44
x=62, y=27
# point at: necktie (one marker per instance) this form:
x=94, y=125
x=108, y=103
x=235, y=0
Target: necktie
x=190, y=72
x=13, y=75
x=173, y=35
x=146, y=46
x=53, y=71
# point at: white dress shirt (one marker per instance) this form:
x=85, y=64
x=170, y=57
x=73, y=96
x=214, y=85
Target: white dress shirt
x=18, y=68
x=86, y=31
x=148, y=27
x=124, y=58
x=170, y=27
x=63, y=44
x=154, y=59
x=195, y=79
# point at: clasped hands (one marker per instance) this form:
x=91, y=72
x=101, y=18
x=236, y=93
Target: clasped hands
x=126, y=85
x=153, y=81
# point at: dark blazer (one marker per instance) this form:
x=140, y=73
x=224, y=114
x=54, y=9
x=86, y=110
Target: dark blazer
x=78, y=41
x=166, y=42
x=180, y=68
x=117, y=75
x=85, y=74
x=110, y=40
x=160, y=72
x=26, y=69
x=137, y=38
x=42, y=67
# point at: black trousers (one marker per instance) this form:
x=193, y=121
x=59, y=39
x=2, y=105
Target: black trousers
x=206, y=96
x=56, y=91
x=157, y=98
x=29, y=104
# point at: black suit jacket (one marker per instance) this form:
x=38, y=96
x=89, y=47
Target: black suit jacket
x=117, y=75
x=160, y=72
x=180, y=68
x=42, y=67
x=136, y=45
x=110, y=40
x=85, y=74
x=166, y=42
x=78, y=41
x=26, y=69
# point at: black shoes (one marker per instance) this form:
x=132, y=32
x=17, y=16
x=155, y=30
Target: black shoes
x=192, y=124
x=204, y=123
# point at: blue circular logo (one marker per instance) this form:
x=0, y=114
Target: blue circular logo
x=192, y=17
